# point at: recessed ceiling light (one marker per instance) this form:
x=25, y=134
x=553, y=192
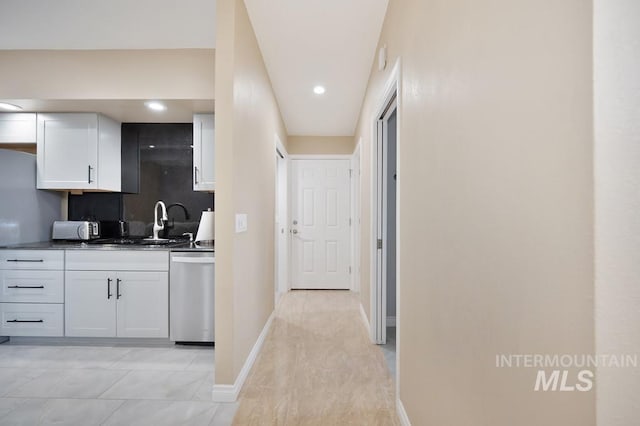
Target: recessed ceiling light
x=155, y=105
x=10, y=107
x=152, y=146
x=319, y=90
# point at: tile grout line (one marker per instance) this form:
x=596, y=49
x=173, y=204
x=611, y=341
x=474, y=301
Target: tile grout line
x=114, y=383
x=113, y=412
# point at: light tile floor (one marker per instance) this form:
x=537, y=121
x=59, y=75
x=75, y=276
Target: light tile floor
x=100, y=385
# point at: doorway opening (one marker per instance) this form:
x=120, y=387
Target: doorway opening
x=388, y=209
x=385, y=300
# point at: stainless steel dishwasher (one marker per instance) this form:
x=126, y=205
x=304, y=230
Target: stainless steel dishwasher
x=191, y=296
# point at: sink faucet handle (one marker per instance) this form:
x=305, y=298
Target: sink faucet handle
x=190, y=234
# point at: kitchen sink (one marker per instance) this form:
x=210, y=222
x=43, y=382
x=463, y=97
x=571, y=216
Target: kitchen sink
x=138, y=241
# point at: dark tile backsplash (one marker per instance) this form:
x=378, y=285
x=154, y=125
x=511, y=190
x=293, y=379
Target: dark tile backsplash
x=95, y=206
x=163, y=172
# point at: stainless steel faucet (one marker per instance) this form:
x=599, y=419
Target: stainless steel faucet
x=157, y=227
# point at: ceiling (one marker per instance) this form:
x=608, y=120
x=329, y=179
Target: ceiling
x=107, y=24
x=303, y=43
x=110, y=24
x=318, y=42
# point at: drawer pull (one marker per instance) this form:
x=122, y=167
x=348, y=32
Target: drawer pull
x=118, y=294
x=16, y=320
x=26, y=260
x=26, y=286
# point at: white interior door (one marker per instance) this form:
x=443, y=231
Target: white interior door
x=320, y=222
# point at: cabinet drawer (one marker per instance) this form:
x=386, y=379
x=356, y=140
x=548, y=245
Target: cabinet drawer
x=25, y=319
x=32, y=259
x=32, y=286
x=119, y=260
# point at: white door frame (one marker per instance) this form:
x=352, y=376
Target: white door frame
x=354, y=262
x=356, y=209
x=281, y=285
x=378, y=306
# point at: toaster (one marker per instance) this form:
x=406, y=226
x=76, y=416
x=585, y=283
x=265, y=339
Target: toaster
x=75, y=230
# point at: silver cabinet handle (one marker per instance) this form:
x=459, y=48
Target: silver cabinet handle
x=89, y=170
x=26, y=260
x=109, y=288
x=17, y=320
x=118, y=294
x=26, y=286
x=195, y=174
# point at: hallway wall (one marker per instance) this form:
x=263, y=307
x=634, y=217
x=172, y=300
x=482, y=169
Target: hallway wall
x=496, y=196
x=247, y=118
x=320, y=145
x=617, y=179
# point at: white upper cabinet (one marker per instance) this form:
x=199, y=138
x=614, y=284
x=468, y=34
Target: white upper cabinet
x=78, y=151
x=18, y=128
x=204, y=177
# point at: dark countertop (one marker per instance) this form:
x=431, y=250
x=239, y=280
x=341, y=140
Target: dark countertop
x=78, y=245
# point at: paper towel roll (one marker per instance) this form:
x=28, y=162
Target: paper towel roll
x=207, y=228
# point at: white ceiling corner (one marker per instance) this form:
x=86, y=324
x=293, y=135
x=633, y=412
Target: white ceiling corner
x=326, y=42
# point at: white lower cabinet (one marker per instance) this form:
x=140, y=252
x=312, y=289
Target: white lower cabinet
x=31, y=293
x=31, y=319
x=22, y=286
x=90, y=304
x=116, y=304
x=143, y=306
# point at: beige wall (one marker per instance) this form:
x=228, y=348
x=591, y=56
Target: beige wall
x=617, y=179
x=107, y=74
x=247, y=120
x=321, y=145
x=496, y=204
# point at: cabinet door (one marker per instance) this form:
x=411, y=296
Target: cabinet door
x=90, y=304
x=18, y=128
x=203, y=153
x=143, y=304
x=67, y=150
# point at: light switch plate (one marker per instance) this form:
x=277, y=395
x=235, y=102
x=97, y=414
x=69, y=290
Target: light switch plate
x=241, y=222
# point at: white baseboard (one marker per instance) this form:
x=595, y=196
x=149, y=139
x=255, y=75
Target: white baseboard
x=402, y=414
x=229, y=393
x=391, y=321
